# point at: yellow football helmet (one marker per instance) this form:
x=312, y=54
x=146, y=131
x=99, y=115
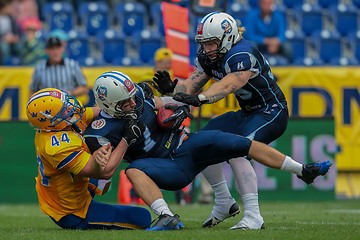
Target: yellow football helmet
x=52, y=109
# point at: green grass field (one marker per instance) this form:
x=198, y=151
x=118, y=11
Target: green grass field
x=284, y=220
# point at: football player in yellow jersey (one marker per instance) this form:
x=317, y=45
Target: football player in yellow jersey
x=65, y=165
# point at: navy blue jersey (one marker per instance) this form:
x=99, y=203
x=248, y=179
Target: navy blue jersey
x=261, y=90
x=155, y=142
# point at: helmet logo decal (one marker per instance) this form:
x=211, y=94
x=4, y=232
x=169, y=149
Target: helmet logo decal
x=55, y=94
x=226, y=26
x=200, y=28
x=98, y=124
x=101, y=92
x=129, y=85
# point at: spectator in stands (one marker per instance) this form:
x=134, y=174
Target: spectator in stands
x=32, y=47
x=9, y=32
x=24, y=9
x=266, y=27
x=58, y=71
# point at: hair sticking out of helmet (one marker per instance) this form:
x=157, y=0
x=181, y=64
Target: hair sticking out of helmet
x=111, y=90
x=217, y=26
x=51, y=109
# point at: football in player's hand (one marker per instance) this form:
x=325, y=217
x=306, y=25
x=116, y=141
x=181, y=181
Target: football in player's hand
x=164, y=113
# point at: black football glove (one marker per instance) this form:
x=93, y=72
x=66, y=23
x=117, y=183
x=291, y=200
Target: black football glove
x=164, y=83
x=192, y=100
x=133, y=130
x=179, y=115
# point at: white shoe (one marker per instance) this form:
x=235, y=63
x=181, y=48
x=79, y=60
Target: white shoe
x=250, y=221
x=221, y=212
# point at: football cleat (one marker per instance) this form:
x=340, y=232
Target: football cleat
x=166, y=222
x=313, y=170
x=249, y=221
x=213, y=221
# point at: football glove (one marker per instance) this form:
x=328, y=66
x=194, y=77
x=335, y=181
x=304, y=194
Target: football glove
x=192, y=100
x=133, y=130
x=179, y=115
x=164, y=82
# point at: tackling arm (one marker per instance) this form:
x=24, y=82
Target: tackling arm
x=229, y=84
x=104, y=162
x=193, y=83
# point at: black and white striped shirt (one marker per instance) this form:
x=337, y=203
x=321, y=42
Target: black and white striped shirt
x=66, y=75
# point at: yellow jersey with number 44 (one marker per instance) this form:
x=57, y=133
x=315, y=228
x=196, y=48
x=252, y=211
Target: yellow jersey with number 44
x=61, y=156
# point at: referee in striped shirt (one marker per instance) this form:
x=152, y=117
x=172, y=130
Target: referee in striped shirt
x=58, y=71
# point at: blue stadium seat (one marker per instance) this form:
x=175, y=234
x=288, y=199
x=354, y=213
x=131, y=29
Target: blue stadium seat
x=253, y=3
x=296, y=39
x=194, y=46
x=345, y=18
x=310, y=18
x=238, y=11
x=78, y=44
x=94, y=16
x=59, y=15
x=157, y=17
x=292, y=3
x=308, y=61
x=146, y=42
x=356, y=3
x=131, y=16
x=91, y=62
x=127, y=61
x=344, y=61
x=354, y=39
x=327, y=3
x=112, y=44
x=277, y=60
x=328, y=44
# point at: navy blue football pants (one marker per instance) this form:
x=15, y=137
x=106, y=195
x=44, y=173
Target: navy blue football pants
x=264, y=125
x=108, y=216
x=200, y=150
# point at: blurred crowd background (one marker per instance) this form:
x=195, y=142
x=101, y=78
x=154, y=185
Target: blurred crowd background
x=127, y=33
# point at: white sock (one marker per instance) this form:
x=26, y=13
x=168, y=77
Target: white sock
x=250, y=201
x=222, y=193
x=159, y=206
x=289, y=165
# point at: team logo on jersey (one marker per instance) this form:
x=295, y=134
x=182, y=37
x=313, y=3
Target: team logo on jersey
x=240, y=66
x=98, y=124
x=101, y=92
x=129, y=85
x=226, y=26
x=200, y=28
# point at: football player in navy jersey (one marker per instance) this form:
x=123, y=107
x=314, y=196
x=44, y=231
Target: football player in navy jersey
x=238, y=68
x=168, y=158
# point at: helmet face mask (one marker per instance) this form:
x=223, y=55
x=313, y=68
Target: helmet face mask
x=51, y=109
x=112, y=90
x=217, y=26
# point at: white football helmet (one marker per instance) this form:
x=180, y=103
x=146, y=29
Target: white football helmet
x=218, y=25
x=111, y=90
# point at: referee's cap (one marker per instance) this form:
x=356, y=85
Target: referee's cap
x=53, y=42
